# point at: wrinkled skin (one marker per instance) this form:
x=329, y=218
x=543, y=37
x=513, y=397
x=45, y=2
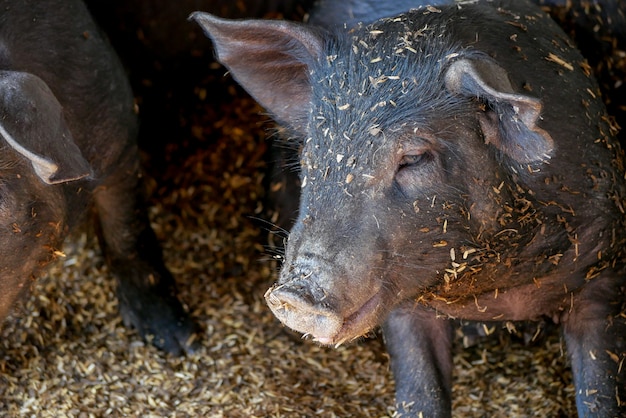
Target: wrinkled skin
x=67, y=136
x=456, y=162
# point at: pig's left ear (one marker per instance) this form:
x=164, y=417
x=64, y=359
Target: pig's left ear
x=270, y=59
x=510, y=122
x=32, y=123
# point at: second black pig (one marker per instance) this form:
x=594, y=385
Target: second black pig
x=457, y=162
x=67, y=141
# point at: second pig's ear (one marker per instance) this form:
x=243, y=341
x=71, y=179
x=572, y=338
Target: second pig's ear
x=32, y=123
x=270, y=59
x=510, y=122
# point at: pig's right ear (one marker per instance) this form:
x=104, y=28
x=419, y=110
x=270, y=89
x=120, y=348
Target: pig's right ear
x=510, y=122
x=270, y=59
x=32, y=123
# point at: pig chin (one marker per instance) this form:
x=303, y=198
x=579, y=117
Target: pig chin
x=316, y=313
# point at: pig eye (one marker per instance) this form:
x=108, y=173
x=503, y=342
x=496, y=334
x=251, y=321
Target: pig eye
x=412, y=160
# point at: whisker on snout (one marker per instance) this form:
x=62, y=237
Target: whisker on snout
x=270, y=226
x=271, y=254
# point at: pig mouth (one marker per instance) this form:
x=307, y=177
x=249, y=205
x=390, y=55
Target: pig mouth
x=356, y=324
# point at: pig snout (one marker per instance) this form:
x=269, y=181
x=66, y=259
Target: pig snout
x=304, y=310
x=308, y=301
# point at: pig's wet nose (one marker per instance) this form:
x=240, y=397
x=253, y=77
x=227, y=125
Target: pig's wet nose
x=304, y=310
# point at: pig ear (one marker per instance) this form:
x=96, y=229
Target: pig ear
x=32, y=123
x=510, y=123
x=270, y=59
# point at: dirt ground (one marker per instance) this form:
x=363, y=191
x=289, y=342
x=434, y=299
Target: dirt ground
x=65, y=352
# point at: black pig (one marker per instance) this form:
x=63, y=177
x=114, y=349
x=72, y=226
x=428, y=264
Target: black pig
x=67, y=135
x=331, y=13
x=457, y=162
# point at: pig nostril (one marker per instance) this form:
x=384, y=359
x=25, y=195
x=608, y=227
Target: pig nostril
x=275, y=302
x=286, y=299
x=289, y=298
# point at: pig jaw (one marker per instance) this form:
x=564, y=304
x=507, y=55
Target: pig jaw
x=309, y=300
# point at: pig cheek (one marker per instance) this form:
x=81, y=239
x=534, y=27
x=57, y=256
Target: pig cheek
x=411, y=265
x=28, y=247
x=29, y=231
x=421, y=241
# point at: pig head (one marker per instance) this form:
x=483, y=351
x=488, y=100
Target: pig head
x=67, y=136
x=449, y=158
x=34, y=132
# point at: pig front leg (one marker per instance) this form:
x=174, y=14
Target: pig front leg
x=146, y=289
x=420, y=350
x=595, y=336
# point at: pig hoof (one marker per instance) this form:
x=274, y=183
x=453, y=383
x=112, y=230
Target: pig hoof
x=177, y=339
x=173, y=333
x=161, y=321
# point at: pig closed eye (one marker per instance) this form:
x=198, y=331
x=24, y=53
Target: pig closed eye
x=413, y=160
x=414, y=171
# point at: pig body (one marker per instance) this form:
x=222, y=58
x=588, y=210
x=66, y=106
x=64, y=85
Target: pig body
x=456, y=162
x=348, y=13
x=67, y=134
